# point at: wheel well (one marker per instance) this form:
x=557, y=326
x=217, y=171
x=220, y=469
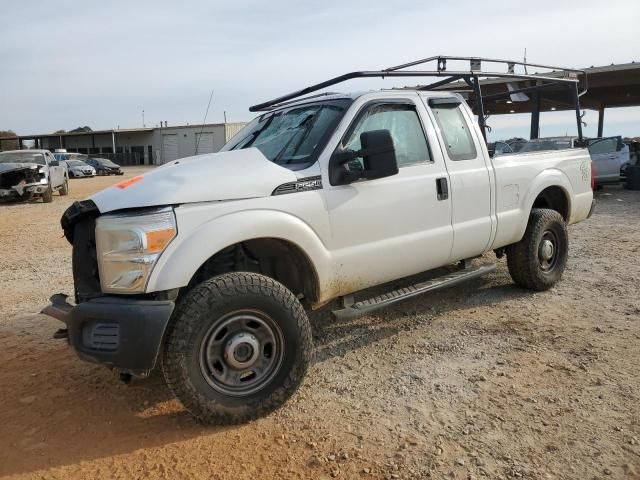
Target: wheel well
x=276, y=258
x=553, y=198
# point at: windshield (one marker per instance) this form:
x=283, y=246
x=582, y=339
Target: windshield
x=76, y=163
x=22, y=157
x=293, y=137
x=541, y=144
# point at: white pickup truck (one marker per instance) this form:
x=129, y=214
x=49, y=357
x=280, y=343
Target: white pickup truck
x=27, y=174
x=208, y=264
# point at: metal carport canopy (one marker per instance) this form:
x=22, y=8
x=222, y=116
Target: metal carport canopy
x=607, y=86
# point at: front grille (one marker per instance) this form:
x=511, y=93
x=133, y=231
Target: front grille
x=86, y=278
x=79, y=225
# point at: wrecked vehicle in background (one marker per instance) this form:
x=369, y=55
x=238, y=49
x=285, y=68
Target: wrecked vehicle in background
x=25, y=174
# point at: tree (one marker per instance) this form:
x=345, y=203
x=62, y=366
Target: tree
x=86, y=128
x=11, y=143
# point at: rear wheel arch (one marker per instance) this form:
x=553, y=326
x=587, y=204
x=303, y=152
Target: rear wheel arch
x=554, y=198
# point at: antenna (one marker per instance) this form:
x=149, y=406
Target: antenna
x=143, y=125
x=204, y=121
x=525, y=61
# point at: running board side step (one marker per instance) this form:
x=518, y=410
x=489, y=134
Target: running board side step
x=364, y=307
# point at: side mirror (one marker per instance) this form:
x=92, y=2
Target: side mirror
x=378, y=154
x=54, y=163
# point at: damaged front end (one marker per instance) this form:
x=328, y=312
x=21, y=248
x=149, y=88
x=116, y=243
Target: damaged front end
x=22, y=181
x=123, y=332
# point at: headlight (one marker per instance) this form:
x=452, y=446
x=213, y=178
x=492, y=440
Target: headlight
x=128, y=246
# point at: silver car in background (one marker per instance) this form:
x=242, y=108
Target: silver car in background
x=609, y=154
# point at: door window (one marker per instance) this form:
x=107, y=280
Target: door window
x=606, y=145
x=455, y=131
x=403, y=123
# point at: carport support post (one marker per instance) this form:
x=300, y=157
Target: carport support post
x=535, y=115
x=600, y=120
x=479, y=107
x=20, y=143
x=113, y=142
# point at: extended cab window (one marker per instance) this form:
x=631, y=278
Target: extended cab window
x=455, y=131
x=406, y=130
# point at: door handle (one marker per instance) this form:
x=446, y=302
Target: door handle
x=442, y=188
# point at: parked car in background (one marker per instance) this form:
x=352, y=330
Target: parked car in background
x=609, y=154
x=78, y=169
x=64, y=156
x=25, y=174
x=516, y=145
x=499, y=148
x=104, y=166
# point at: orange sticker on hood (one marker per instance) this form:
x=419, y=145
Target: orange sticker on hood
x=127, y=183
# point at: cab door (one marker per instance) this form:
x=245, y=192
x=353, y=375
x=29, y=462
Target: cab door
x=469, y=173
x=606, y=159
x=392, y=227
x=56, y=172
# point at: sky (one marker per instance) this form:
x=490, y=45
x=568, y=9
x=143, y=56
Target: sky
x=74, y=63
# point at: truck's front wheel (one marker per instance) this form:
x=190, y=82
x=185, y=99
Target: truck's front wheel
x=538, y=260
x=237, y=348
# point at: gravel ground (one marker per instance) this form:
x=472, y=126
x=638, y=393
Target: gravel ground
x=481, y=381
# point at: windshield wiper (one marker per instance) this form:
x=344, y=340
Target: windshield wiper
x=303, y=123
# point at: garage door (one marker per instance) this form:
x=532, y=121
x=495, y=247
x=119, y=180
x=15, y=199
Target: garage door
x=204, y=142
x=169, y=147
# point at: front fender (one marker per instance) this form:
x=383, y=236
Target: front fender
x=193, y=246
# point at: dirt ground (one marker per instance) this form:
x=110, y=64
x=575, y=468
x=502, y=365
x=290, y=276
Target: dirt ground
x=481, y=381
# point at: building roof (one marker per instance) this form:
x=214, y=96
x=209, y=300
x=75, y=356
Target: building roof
x=121, y=130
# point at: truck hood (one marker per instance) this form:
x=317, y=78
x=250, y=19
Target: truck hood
x=9, y=167
x=229, y=175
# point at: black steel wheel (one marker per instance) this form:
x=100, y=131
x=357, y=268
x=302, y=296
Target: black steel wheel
x=237, y=347
x=241, y=352
x=538, y=260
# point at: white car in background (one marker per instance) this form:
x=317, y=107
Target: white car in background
x=79, y=169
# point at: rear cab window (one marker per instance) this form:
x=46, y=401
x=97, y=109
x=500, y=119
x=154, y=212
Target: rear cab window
x=454, y=129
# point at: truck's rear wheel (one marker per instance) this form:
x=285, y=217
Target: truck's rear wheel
x=538, y=260
x=237, y=348
x=64, y=190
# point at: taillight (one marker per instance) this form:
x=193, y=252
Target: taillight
x=593, y=176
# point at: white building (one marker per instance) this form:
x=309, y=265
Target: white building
x=141, y=146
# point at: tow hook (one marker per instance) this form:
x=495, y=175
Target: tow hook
x=125, y=378
x=61, y=334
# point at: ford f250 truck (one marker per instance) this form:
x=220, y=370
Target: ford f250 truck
x=208, y=265
x=27, y=174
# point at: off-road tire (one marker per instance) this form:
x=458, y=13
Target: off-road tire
x=523, y=258
x=64, y=190
x=195, y=315
x=47, y=195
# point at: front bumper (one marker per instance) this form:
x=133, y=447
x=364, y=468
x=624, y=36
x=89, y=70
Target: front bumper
x=80, y=174
x=23, y=191
x=121, y=333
